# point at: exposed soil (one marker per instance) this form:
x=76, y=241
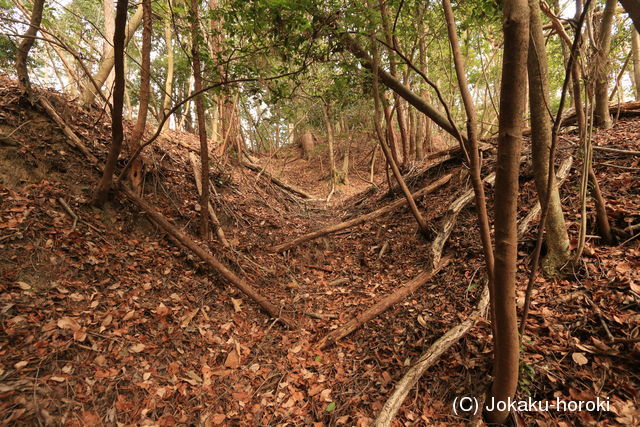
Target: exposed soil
x=111, y=322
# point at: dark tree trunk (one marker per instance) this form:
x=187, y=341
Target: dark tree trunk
x=117, y=134
x=512, y=100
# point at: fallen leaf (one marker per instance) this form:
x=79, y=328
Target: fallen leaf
x=579, y=358
x=188, y=318
x=137, y=348
x=232, y=360
x=237, y=304
x=217, y=418
x=21, y=364
x=24, y=286
x=68, y=323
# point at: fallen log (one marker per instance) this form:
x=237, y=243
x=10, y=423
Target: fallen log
x=381, y=306
x=428, y=359
x=216, y=265
x=280, y=183
x=212, y=214
x=75, y=141
x=363, y=218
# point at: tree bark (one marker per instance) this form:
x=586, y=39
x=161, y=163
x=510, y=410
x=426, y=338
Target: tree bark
x=601, y=115
x=202, y=127
x=25, y=46
x=632, y=7
x=168, y=85
x=333, y=173
x=635, y=47
x=512, y=100
x=117, y=134
x=109, y=29
x=539, y=102
x=136, y=172
x=89, y=91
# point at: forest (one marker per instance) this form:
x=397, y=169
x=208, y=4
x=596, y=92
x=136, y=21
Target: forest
x=341, y=213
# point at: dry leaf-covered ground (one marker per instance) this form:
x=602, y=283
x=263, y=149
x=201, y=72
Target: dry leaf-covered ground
x=110, y=322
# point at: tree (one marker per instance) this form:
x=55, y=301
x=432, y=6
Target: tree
x=117, y=133
x=512, y=100
x=539, y=102
x=89, y=92
x=601, y=115
x=25, y=45
x=136, y=171
x=202, y=129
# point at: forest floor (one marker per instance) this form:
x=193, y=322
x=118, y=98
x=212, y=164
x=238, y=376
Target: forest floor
x=109, y=322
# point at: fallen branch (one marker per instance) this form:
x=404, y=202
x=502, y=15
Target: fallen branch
x=206, y=257
x=381, y=306
x=70, y=212
x=428, y=359
x=277, y=181
x=617, y=150
x=449, y=220
x=212, y=214
x=363, y=218
x=75, y=141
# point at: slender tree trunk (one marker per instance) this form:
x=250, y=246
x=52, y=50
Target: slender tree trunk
x=602, y=219
x=422, y=225
x=473, y=150
x=635, y=46
x=556, y=237
x=202, y=127
x=512, y=101
x=400, y=112
x=117, y=134
x=89, y=91
x=332, y=161
x=109, y=29
x=168, y=85
x=25, y=46
x=602, y=118
x=136, y=172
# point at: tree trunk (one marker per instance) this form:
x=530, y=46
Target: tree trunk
x=168, y=85
x=473, y=150
x=202, y=127
x=136, y=172
x=635, y=46
x=332, y=161
x=556, y=237
x=512, y=100
x=632, y=7
x=422, y=225
x=89, y=92
x=601, y=115
x=117, y=134
x=25, y=46
x=109, y=29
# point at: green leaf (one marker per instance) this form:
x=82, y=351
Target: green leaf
x=331, y=407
